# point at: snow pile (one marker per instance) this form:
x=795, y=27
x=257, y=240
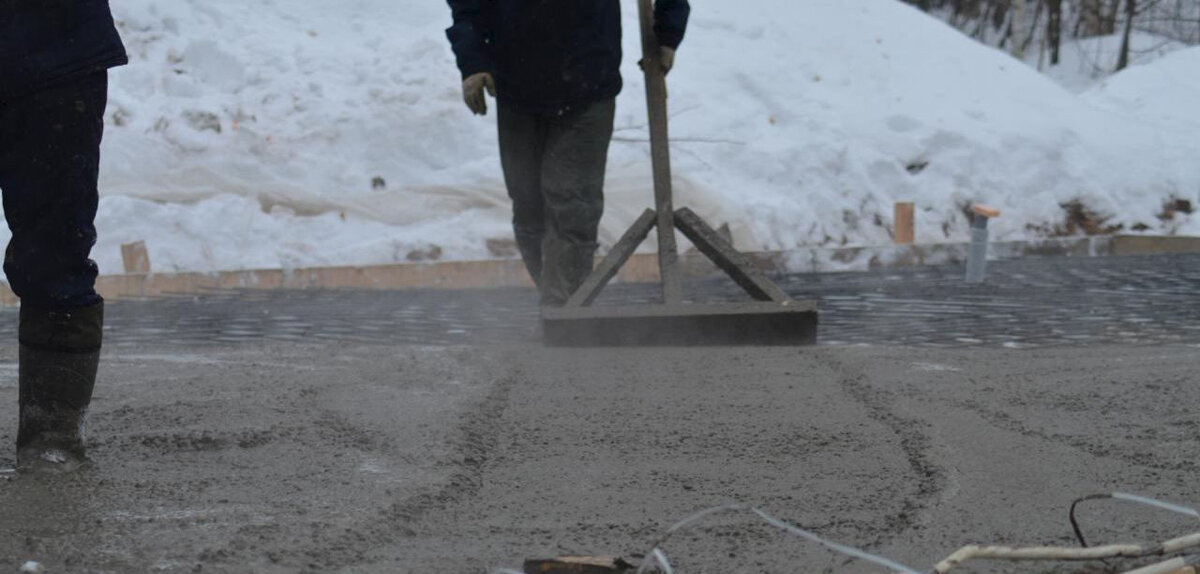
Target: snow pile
x=265, y=134
x=1165, y=92
x=1086, y=62
x=292, y=134
x=878, y=103
x=1163, y=160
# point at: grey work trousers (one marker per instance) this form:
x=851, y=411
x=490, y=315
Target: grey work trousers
x=554, y=170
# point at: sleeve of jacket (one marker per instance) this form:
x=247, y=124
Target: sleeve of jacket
x=670, y=21
x=469, y=36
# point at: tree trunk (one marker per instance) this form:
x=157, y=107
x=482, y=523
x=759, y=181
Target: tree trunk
x=1054, y=30
x=1018, y=29
x=1091, y=13
x=1110, y=19
x=1000, y=11
x=1130, y=14
x=1031, y=32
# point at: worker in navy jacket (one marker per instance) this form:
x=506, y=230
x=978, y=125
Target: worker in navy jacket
x=54, y=61
x=554, y=68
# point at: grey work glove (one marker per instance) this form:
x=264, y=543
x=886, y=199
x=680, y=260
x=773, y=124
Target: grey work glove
x=667, y=57
x=473, y=88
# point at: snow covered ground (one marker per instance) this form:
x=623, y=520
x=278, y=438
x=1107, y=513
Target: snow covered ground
x=261, y=133
x=1085, y=63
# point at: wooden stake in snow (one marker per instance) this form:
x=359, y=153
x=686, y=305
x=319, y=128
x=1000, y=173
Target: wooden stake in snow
x=903, y=223
x=135, y=257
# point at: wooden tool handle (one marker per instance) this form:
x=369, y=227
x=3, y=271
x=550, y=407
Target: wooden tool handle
x=660, y=154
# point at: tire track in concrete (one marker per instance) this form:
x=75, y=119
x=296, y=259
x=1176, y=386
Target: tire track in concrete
x=932, y=479
x=1006, y=422
x=477, y=438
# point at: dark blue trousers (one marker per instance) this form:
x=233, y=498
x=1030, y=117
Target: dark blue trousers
x=49, y=164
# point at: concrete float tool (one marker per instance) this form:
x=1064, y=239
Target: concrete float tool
x=773, y=319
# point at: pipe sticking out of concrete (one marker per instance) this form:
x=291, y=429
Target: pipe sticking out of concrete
x=977, y=256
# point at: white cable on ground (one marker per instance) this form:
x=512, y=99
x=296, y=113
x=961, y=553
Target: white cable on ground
x=661, y=557
x=849, y=551
x=657, y=558
x=1167, y=566
x=968, y=553
x=1172, y=546
x=1157, y=503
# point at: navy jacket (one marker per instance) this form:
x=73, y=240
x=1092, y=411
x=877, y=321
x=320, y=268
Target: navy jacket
x=48, y=41
x=551, y=55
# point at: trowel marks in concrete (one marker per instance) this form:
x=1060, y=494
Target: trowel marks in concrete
x=286, y=458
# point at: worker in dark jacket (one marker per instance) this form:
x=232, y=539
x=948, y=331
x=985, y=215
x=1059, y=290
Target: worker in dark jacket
x=54, y=57
x=553, y=67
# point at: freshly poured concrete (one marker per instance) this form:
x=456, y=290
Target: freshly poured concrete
x=279, y=457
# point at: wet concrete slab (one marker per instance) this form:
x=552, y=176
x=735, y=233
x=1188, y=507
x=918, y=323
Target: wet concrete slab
x=278, y=432
x=240, y=457
x=278, y=457
x=1026, y=303
x=909, y=453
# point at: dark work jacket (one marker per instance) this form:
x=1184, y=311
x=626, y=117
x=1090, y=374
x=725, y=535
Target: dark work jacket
x=551, y=55
x=43, y=42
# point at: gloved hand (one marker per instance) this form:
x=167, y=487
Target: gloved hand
x=473, y=88
x=667, y=57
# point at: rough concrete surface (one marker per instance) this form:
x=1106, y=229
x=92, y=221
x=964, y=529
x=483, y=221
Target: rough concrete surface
x=272, y=456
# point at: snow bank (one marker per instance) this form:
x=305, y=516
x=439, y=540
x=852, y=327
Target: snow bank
x=1165, y=92
x=1160, y=159
x=264, y=134
x=836, y=109
x=1085, y=63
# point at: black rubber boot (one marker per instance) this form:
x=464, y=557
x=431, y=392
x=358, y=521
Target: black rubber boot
x=60, y=351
